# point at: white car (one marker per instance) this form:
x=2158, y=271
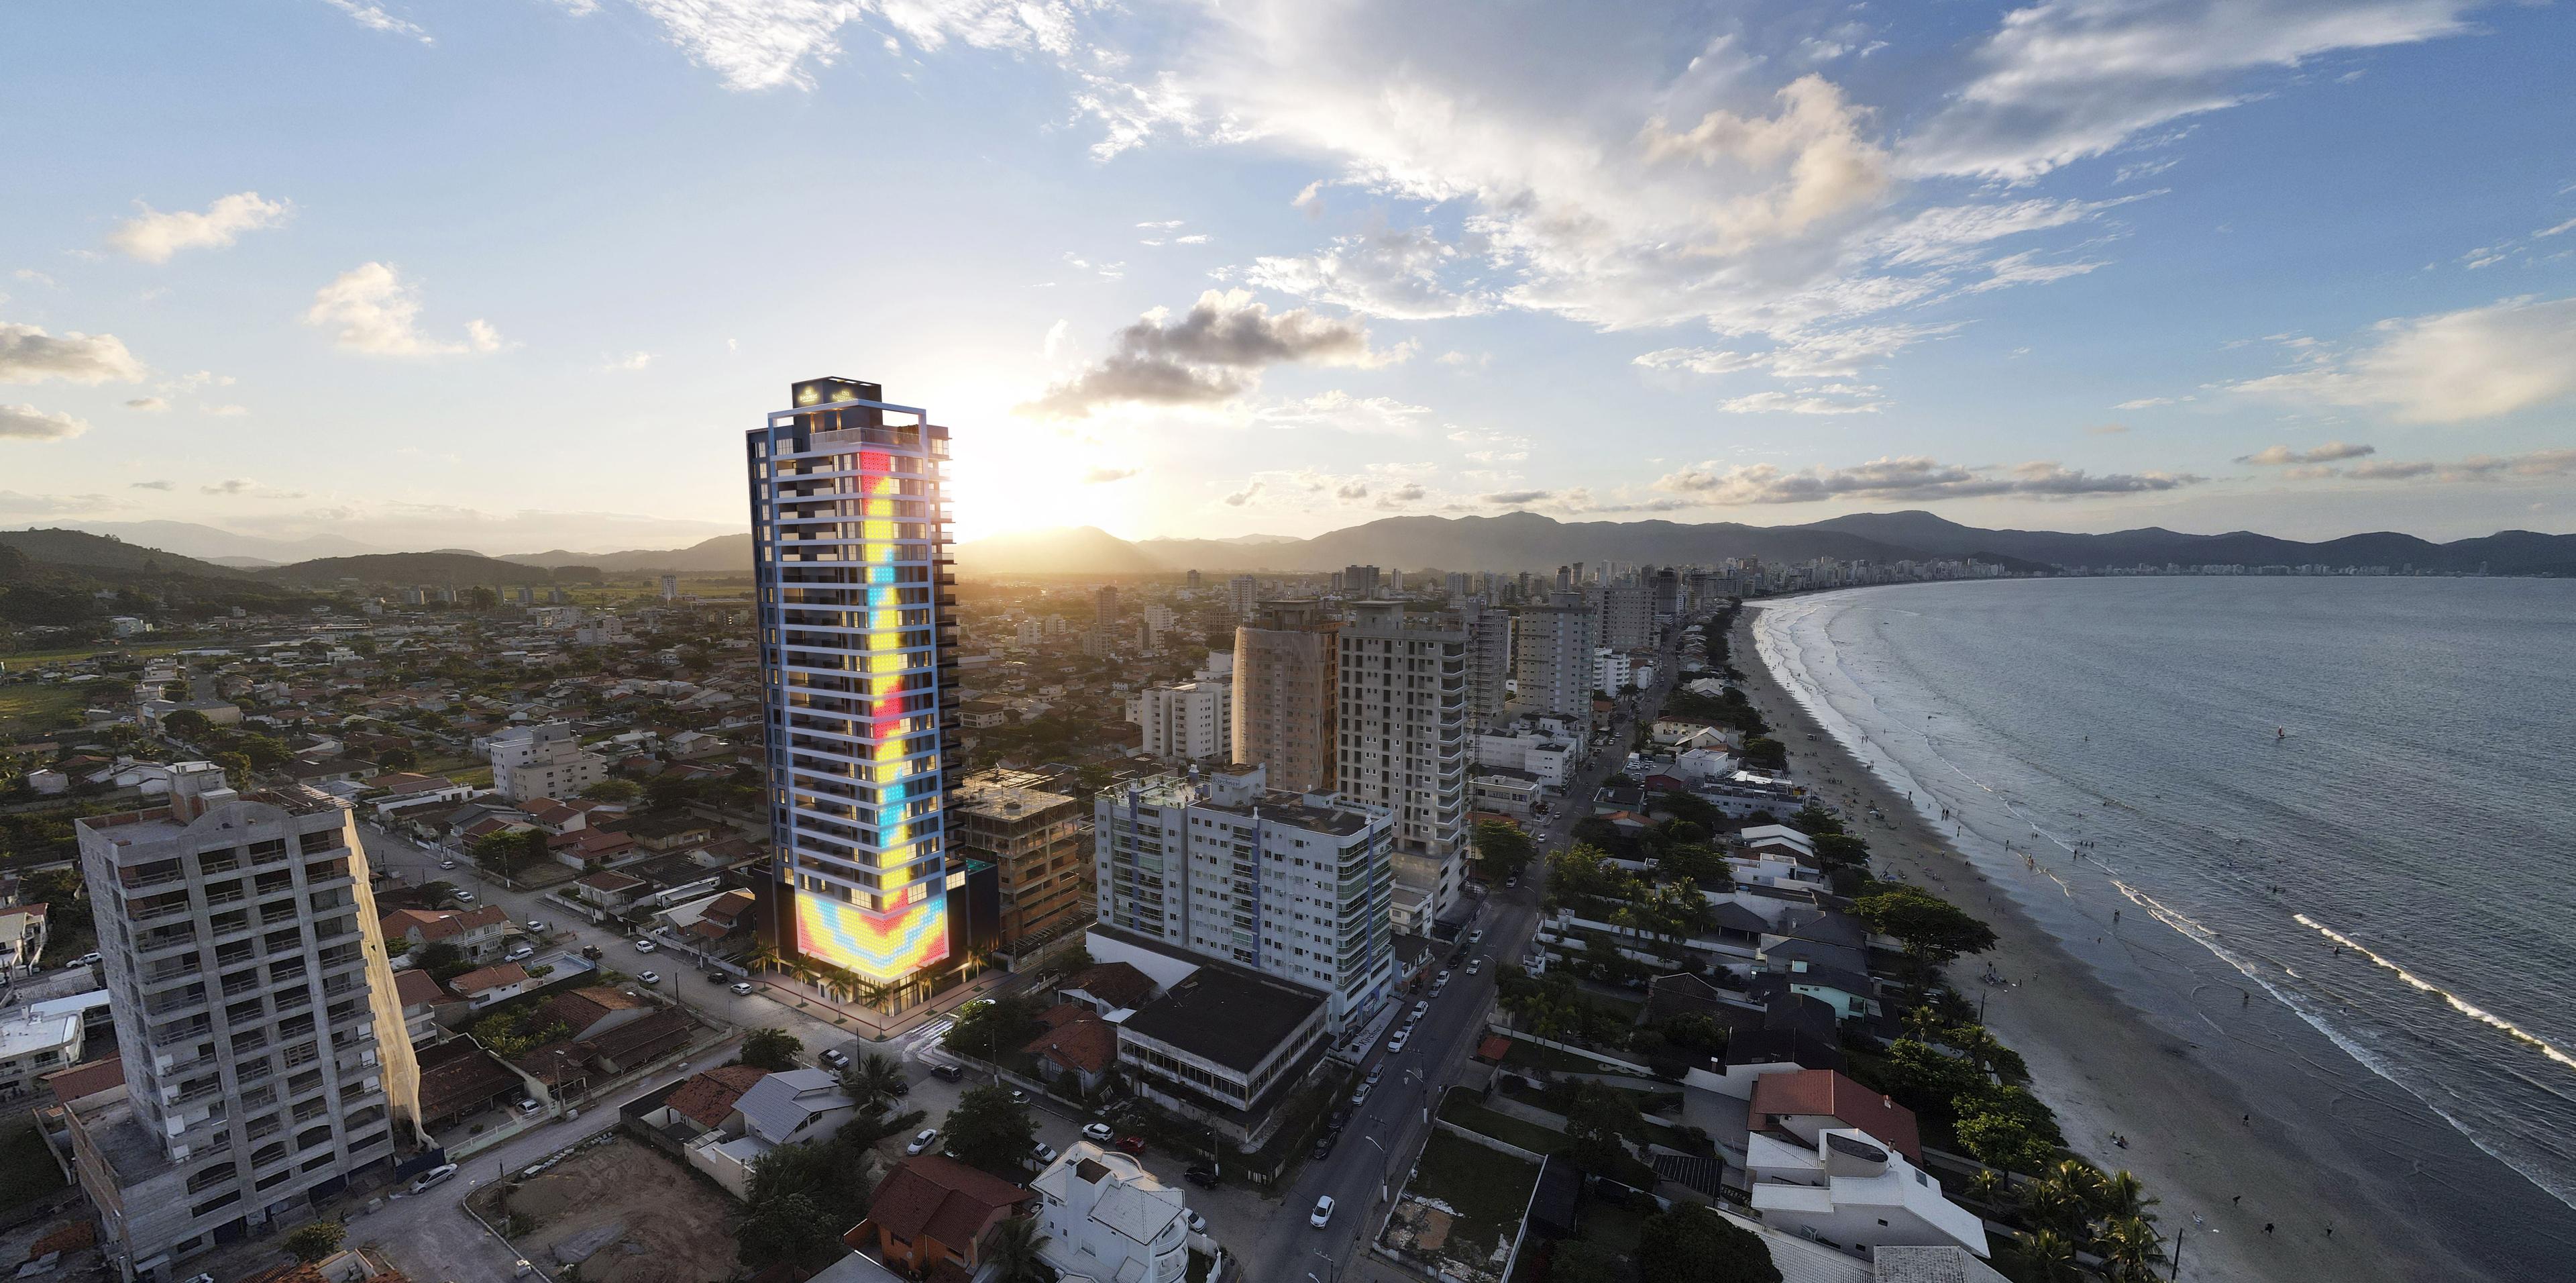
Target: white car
x=1323, y=1213
x=645, y=946
x=1198, y=1223
x=464, y=897
x=650, y=977
x=741, y=987
x=1476, y=935
x=1421, y=1009
x=1475, y=965
x=447, y=864
x=921, y=1144
x=1395, y=1045
x=1043, y=1152
x=520, y=954
x=1097, y=1133
x=1376, y=1072
x=536, y=926
x=1361, y=1096
x=433, y=1176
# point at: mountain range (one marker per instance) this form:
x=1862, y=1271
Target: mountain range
x=1515, y=541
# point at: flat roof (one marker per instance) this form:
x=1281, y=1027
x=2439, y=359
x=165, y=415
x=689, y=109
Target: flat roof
x=1226, y=1014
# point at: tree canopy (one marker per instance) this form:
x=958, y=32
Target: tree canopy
x=989, y=1130
x=775, y=1050
x=1691, y=1244
x=1931, y=928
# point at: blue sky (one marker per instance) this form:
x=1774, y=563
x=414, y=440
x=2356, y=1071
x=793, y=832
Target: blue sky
x=516, y=275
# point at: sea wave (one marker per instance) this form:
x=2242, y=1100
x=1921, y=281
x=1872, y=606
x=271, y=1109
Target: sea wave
x=2456, y=1002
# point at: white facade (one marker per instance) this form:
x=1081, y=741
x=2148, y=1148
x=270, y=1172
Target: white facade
x=1849, y=1188
x=1403, y=733
x=1299, y=887
x=33, y=1045
x=543, y=761
x=1192, y=721
x=1243, y=594
x=1108, y=1220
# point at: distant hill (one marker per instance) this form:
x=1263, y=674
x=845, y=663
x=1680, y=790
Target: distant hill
x=723, y=554
x=244, y=563
x=189, y=539
x=1528, y=541
x=107, y=555
x=427, y=569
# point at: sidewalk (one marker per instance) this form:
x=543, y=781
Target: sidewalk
x=876, y=1026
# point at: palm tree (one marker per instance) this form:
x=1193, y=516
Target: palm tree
x=1989, y=1186
x=2124, y=1197
x=2132, y=1248
x=1013, y=1252
x=2081, y=1179
x=2047, y=1256
x=873, y=1079
x=2050, y=1204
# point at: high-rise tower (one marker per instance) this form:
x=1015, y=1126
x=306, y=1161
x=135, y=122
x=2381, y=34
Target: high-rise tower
x=849, y=523
x=1284, y=693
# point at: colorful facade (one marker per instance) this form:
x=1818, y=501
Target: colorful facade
x=856, y=614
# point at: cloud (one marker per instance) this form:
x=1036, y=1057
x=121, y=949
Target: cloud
x=376, y=312
x=1394, y=273
x=238, y=486
x=1211, y=353
x=1340, y=410
x=2475, y=468
x=628, y=363
x=224, y=411
x=1815, y=143
x=1832, y=398
x=1244, y=496
x=1825, y=354
x=2448, y=367
x=1055, y=336
x=1908, y=477
x=1349, y=491
x=154, y=236
x=46, y=505
x=1103, y=476
x=2149, y=402
x=152, y=485
x=30, y=274
x=774, y=44
x=1516, y=498
x=2060, y=82
x=148, y=404
x=2328, y=453
x=30, y=355
x=27, y=423
x=1169, y=224
x=1411, y=492
x=374, y=18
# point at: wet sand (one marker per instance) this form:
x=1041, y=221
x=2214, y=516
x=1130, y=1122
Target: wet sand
x=2107, y=1068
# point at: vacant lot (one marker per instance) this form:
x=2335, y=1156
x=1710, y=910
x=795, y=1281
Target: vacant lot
x=627, y=1213
x=30, y=707
x=1462, y=1207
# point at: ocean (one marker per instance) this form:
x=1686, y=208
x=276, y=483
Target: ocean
x=2354, y=798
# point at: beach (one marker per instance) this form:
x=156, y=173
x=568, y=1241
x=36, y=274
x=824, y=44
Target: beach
x=2223, y=1165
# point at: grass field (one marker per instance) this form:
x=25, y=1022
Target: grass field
x=17, y=659
x=1464, y=1109
x=28, y=707
x=1489, y=1191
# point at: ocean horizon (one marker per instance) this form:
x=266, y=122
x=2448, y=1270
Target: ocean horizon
x=2347, y=796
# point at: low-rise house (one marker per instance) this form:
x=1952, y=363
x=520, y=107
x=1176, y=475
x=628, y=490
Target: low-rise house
x=421, y=999
x=704, y=1101
x=590, y=1011
x=1107, y=987
x=1077, y=1050
x=1848, y=1187
x=1503, y=790
x=610, y=892
x=932, y=1213
x=484, y=986
x=34, y=1045
x=22, y=936
x=475, y=932
x=1810, y=1102
x=1107, y=1220
x=635, y=1044
x=787, y=1108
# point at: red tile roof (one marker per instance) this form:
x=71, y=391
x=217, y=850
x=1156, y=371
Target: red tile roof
x=1828, y=1093
x=81, y=1080
x=939, y=1196
x=493, y=977
x=1081, y=1042
x=708, y=1097
x=414, y=986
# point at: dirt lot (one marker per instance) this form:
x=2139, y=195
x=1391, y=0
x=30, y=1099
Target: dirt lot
x=639, y=1215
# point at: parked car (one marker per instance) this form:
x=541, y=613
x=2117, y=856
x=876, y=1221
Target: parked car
x=1043, y=1152
x=645, y=946
x=1395, y=1045
x=520, y=954
x=1201, y=1175
x=1509, y=883
x=1198, y=1223
x=718, y=977
x=948, y=1073
x=1323, y=1213
x=590, y=951
x=1421, y=1009
x=741, y=987
x=922, y=1142
x=650, y=977
x=1475, y=965
x=1360, y=1096
x=833, y=1058
x=1133, y=1144
x=537, y=925
x=447, y=864
x=433, y=1176
x=1341, y=1118
x=1096, y=1133
x=1324, y=1144
x=462, y=897
x=1019, y=1097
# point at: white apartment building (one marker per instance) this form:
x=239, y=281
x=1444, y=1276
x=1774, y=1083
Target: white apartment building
x=34, y=1044
x=1295, y=886
x=265, y=1055
x=1191, y=721
x=1243, y=594
x=1552, y=650
x=1108, y=1220
x=1403, y=746
x=543, y=761
x=1489, y=662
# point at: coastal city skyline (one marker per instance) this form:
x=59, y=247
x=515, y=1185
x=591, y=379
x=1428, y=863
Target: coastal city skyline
x=1275, y=271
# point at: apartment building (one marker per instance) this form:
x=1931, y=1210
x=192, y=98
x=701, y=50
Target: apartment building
x=857, y=631
x=1191, y=720
x=1404, y=746
x=1284, y=694
x=1489, y=662
x=1298, y=886
x=1243, y=594
x=1034, y=839
x=543, y=761
x=1552, y=651
x=265, y=1056
x=1627, y=617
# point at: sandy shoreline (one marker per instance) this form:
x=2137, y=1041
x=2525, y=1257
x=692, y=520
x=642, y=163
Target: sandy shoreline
x=2101, y=1063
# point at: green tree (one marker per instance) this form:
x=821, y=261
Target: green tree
x=443, y=961
x=1691, y=1244
x=2132, y=1247
x=1577, y=1261
x=315, y=1241
x=613, y=789
x=1014, y=1252
x=505, y=853
x=1502, y=850
x=1931, y=928
x=991, y=1131
x=791, y=1228
x=775, y=1050
x=1765, y=753
x=873, y=1078
x=989, y=1028
x=397, y=759
x=186, y=724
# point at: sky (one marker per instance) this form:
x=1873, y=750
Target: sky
x=517, y=275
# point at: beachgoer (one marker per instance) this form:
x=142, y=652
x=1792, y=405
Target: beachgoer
x=2267, y=1227
x=2236, y=1200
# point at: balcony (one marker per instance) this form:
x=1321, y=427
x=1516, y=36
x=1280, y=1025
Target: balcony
x=161, y=941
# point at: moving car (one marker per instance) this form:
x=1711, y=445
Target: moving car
x=1019, y=1097
x=651, y=977
x=948, y=1073
x=1476, y=936
x=1509, y=883
x=645, y=946
x=590, y=951
x=447, y=864
x=1475, y=965
x=433, y=1176
x=1323, y=1213
x=537, y=925
x=1132, y=1144
x=1097, y=1133
x=741, y=987
x=921, y=1143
